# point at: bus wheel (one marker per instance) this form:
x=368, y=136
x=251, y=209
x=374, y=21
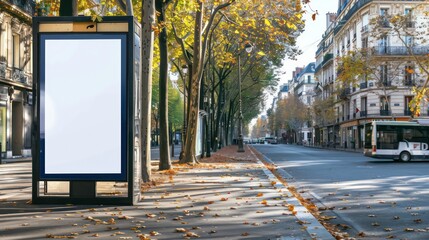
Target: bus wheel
x=405, y=156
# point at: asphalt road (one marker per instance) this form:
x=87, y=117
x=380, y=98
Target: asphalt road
x=377, y=199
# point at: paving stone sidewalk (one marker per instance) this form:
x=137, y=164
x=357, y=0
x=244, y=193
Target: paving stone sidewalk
x=227, y=196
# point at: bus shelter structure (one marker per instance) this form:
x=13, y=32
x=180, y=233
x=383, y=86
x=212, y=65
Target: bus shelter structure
x=86, y=119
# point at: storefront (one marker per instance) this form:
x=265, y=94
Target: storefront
x=15, y=121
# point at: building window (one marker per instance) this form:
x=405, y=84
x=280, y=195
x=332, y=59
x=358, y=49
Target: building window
x=407, y=111
x=3, y=111
x=365, y=42
x=382, y=44
x=384, y=105
x=383, y=75
x=309, y=79
x=409, y=40
x=408, y=75
x=16, y=52
x=363, y=103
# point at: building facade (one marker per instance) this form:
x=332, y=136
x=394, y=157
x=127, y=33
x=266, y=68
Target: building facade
x=15, y=77
x=304, y=90
x=383, y=95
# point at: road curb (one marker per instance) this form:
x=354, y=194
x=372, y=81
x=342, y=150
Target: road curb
x=314, y=228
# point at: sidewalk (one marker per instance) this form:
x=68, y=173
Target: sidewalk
x=228, y=196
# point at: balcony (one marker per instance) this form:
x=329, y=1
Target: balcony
x=364, y=29
x=24, y=5
x=408, y=83
x=385, y=113
x=356, y=6
x=399, y=50
x=3, y=67
x=363, y=85
x=18, y=75
x=328, y=57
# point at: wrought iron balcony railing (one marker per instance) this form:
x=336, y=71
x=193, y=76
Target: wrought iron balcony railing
x=400, y=50
x=385, y=113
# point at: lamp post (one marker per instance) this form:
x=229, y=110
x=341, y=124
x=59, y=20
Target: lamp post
x=207, y=101
x=248, y=47
x=185, y=71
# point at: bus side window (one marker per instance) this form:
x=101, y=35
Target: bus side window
x=408, y=134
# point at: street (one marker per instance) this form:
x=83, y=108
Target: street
x=377, y=199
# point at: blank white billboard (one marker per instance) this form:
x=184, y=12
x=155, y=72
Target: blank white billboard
x=82, y=105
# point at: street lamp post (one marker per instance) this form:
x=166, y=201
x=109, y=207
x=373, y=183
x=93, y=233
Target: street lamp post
x=207, y=100
x=248, y=47
x=185, y=71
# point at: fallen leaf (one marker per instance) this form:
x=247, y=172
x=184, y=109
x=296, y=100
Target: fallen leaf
x=259, y=194
x=191, y=234
x=224, y=199
x=95, y=235
x=264, y=202
x=302, y=222
x=245, y=234
x=375, y=224
x=418, y=220
x=111, y=221
x=409, y=230
x=361, y=234
x=371, y=215
x=395, y=217
x=388, y=229
x=154, y=233
x=150, y=215
x=180, y=230
x=124, y=217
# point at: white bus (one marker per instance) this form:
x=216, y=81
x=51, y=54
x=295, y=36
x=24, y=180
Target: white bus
x=397, y=140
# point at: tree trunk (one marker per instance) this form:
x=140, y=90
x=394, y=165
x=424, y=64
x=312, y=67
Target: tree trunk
x=147, y=41
x=190, y=154
x=164, y=151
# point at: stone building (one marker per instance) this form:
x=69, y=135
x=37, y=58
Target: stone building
x=383, y=96
x=15, y=77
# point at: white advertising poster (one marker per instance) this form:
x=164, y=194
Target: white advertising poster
x=82, y=105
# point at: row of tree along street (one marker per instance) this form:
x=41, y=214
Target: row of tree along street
x=193, y=65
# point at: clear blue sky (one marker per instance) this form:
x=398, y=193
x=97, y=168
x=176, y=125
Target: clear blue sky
x=309, y=39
